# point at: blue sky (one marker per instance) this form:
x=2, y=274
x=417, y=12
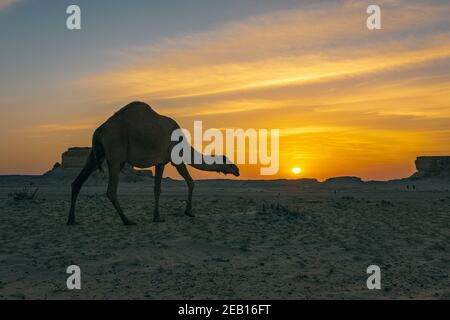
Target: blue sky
x=35, y=42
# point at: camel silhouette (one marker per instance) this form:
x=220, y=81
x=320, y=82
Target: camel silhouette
x=139, y=136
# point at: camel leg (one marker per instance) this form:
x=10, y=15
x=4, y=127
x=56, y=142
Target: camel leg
x=78, y=183
x=159, y=170
x=113, y=182
x=183, y=171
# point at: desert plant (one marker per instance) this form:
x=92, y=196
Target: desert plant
x=26, y=194
x=277, y=208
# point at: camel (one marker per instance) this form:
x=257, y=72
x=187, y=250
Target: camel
x=141, y=137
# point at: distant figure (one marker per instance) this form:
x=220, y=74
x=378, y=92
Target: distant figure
x=407, y=186
x=139, y=136
x=414, y=187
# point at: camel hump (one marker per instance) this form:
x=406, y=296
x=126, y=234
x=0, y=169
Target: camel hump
x=136, y=106
x=172, y=123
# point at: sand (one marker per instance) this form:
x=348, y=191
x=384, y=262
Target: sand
x=317, y=244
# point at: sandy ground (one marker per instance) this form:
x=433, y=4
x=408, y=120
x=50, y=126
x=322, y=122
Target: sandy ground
x=317, y=247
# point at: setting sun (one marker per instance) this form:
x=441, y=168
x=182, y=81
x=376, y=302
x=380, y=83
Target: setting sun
x=296, y=170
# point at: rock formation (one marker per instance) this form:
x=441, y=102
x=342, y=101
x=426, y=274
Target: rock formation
x=74, y=159
x=432, y=166
x=344, y=180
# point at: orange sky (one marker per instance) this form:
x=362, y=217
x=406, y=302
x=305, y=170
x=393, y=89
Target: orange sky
x=347, y=101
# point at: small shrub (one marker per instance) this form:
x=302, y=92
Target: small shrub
x=278, y=208
x=26, y=194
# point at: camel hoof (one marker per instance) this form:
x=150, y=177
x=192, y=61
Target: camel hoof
x=129, y=223
x=71, y=223
x=158, y=219
x=189, y=214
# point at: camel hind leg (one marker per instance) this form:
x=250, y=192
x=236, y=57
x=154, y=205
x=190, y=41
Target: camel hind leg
x=159, y=170
x=89, y=167
x=183, y=171
x=113, y=183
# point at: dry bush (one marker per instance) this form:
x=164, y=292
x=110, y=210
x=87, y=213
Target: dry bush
x=26, y=194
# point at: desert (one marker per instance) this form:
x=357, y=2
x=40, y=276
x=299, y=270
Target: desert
x=279, y=239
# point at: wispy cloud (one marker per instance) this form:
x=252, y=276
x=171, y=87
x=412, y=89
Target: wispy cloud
x=46, y=128
x=4, y=4
x=283, y=49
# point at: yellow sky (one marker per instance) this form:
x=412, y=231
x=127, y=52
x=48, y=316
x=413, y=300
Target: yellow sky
x=348, y=101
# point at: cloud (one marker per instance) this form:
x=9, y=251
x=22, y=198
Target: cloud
x=272, y=62
x=4, y=4
x=48, y=128
x=309, y=130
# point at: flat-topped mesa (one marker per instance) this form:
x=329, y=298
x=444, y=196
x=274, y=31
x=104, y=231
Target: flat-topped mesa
x=344, y=179
x=429, y=166
x=74, y=159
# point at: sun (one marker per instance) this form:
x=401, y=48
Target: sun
x=296, y=170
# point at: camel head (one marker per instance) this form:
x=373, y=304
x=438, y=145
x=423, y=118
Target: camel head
x=228, y=167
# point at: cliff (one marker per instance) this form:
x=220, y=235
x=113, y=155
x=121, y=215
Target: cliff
x=432, y=166
x=74, y=159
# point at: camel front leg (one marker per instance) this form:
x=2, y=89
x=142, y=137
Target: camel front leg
x=183, y=171
x=159, y=170
x=77, y=184
x=113, y=182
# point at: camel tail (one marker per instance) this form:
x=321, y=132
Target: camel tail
x=98, y=152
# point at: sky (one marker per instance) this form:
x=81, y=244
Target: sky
x=347, y=100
